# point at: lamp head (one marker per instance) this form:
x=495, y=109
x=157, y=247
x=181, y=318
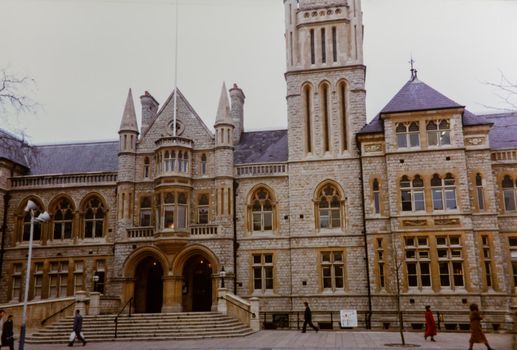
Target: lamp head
x=43, y=217
x=30, y=206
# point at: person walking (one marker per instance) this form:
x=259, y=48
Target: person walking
x=308, y=318
x=476, y=333
x=430, y=325
x=2, y=320
x=7, y=333
x=78, y=327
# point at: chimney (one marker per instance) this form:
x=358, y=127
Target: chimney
x=149, y=110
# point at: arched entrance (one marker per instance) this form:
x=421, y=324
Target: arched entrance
x=148, y=297
x=197, y=284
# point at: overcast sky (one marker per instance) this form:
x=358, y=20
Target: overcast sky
x=85, y=54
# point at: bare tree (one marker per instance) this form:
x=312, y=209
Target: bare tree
x=506, y=90
x=14, y=93
x=397, y=266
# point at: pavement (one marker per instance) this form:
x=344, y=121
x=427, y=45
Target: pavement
x=291, y=340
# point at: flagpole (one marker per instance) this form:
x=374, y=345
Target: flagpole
x=175, y=75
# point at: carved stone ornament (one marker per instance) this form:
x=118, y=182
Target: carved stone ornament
x=414, y=222
x=376, y=147
x=475, y=141
x=446, y=222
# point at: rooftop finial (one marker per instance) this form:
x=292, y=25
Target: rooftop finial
x=413, y=70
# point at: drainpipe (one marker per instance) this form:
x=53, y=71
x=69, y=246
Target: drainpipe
x=369, y=314
x=7, y=197
x=235, y=243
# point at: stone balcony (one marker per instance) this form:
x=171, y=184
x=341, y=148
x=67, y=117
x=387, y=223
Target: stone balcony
x=194, y=232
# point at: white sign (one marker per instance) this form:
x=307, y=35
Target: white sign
x=348, y=318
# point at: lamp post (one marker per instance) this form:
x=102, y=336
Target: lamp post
x=43, y=217
x=222, y=274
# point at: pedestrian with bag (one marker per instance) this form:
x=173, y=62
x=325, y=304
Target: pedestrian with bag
x=77, y=331
x=7, y=333
x=430, y=324
x=308, y=318
x=476, y=333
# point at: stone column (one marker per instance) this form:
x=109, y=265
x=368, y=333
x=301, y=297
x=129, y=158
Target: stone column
x=80, y=301
x=221, y=301
x=95, y=303
x=254, y=308
x=172, y=294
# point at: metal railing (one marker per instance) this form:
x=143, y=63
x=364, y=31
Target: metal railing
x=130, y=302
x=57, y=313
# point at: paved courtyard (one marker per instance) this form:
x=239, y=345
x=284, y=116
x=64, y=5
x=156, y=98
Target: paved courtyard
x=290, y=340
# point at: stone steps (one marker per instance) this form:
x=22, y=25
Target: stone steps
x=167, y=326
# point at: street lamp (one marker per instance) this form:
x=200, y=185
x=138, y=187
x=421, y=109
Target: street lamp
x=43, y=217
x=222, y=274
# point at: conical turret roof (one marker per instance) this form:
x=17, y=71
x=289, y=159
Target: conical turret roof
x=223, y=111
x=128, y=122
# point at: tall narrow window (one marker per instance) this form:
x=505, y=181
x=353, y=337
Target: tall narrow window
x=262, y=211
x=58, y=279
x=438, y=132
x=487, y=260
x=509, y=191
x=329, y=207
x=78, y=276
x=291, y=46
x=342, y=93
x=513, y=254
x=16, y=282
x=94, y=219
x=63, y=217
x=38, y=280
x=145, y=211
x=412, y=194
x=418, y=262
x=313, y=53
x=444, y=192
x=480, y=192
x=180, y=161
x=325, y=115
x=185, y=162
x=203, y=164
x=323, y=47
x=202, y=209
x=332, y=270
x=262, y=272
x=308, y=118
x=450, y=261
x=146, y=167
x=376, y=196
x=182, y=210
x=168, y=210
x=334, y=44
x=380, y=261
x=100, y=276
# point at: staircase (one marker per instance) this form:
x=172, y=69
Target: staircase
x=163, y=326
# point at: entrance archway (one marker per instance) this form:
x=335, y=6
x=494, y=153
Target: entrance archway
x=197, y=284
x=148, y=295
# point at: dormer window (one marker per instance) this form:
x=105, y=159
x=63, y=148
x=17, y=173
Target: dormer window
x=408, y=135
x=438, y=132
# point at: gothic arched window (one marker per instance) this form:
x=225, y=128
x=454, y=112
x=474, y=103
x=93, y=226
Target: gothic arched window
x=94, y=215
x=329, y=207
x=412, y=193
x=509, y=193
x=63, y=220
x=36, y=236
x=443, y=192
x=261, y=211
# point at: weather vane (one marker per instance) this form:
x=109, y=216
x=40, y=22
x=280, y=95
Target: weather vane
x=413, y=70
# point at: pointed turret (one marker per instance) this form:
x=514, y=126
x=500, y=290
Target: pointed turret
x=128, y=122
x=223, y=111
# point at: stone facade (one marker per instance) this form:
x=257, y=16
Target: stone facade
x=319, y=213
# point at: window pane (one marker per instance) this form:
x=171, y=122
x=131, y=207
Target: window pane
x=509, y=200
x=406, y=200
x=338, y=269
x=257, y=259
x=268, y=221
x=432, y=138
x=257, y=223
x=402, y=140
x=336, y=222
x=414, y=139
x=269, y=277
x=419, y=201
x=257, y=276
x=445, y=138
x=444, y=274
x=182, y=216
x=268, y=258
x=450, y=199
x=437, y=199
x=324, y=218
x=327, y=282
x=458, y=274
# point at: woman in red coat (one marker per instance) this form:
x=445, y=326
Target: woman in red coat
x=430, y=325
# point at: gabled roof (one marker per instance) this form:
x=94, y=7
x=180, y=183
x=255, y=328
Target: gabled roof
x=471, y=119
x=14, y=148
x=262, y=147
x=75, y=158
x=416, y=95
x=503, y=134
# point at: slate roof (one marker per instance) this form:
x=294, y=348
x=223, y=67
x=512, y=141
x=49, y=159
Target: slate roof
x=471, y=119
x=416, y=95
x=13, y=148
x=262, y=147
x=75, y=158
x=503, y=134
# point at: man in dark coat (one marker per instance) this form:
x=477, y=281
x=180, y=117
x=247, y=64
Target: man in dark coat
x=308, y=318
x=78, y=326
x=7, y=333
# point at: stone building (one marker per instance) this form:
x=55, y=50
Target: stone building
x=332, y=210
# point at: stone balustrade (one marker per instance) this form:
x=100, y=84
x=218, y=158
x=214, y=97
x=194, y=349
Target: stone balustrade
x=256, y=170
x=203, y=230
x=174, y=141
x=140, y=232
x=510, y=156
x=93, y=179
